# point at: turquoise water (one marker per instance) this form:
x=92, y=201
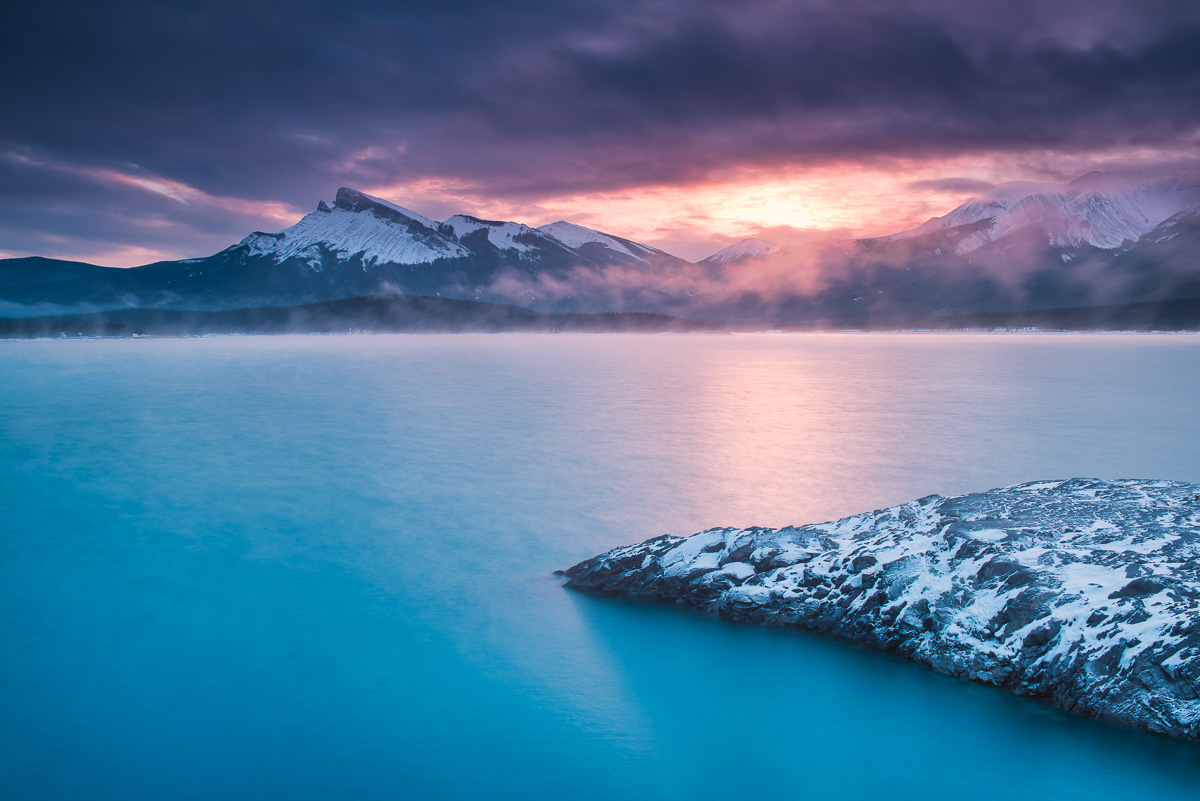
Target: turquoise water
x=320, y=567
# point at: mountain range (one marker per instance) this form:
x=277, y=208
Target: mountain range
x=1104, y=239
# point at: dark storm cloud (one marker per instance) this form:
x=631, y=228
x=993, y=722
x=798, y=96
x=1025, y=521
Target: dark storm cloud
x=819, y=86
x=286, y=101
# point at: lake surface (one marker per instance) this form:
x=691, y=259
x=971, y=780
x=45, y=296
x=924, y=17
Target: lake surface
x=320, y=567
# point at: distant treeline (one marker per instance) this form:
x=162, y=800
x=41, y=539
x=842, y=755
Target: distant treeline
x=1165, y=315
x=374, y=314
x=421, y=314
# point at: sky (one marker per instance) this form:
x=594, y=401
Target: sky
x=137, y=131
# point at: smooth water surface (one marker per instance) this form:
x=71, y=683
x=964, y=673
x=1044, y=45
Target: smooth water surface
x=321, y=567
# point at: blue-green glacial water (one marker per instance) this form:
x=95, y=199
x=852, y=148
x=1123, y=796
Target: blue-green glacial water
x=321, y=567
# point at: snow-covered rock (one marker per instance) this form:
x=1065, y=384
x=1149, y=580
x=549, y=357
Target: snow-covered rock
x=1083, y=592
x=741, y=251
x=1104, y=210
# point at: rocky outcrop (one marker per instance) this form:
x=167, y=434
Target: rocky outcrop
x=1085, y=593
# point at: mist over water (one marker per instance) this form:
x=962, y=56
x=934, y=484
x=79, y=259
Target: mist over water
x=320, y=567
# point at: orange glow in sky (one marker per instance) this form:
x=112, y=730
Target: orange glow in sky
x=784, y=205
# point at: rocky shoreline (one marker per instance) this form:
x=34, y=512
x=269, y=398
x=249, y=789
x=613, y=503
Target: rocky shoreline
x=1085, y=593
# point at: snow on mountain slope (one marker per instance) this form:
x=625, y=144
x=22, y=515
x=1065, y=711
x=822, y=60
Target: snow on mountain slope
x=359, y=224
x=504, y=235
x=382, y=232
x=746, y=249
x=576, y=236
x=1100, y=209
x=354, y=200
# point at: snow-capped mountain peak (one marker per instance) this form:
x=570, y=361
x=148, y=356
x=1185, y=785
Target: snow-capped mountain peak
x=353, y=200
x=382, y=232
x=1100, y=209
x=358, y=225
x=741, y=251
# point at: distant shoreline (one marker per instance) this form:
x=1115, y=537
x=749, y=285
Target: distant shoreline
x=372, y=314
x=400, y=314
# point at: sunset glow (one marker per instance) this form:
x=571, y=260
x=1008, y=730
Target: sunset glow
x=785, y=205
x=684, y=125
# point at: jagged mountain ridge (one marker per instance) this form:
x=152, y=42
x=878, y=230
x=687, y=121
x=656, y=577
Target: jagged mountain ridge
x=887, y=280
x=1104, y=210
x=966, y=262
x=1109, y=211
x=359, y=246
x=358, y=224
x=380, y=232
